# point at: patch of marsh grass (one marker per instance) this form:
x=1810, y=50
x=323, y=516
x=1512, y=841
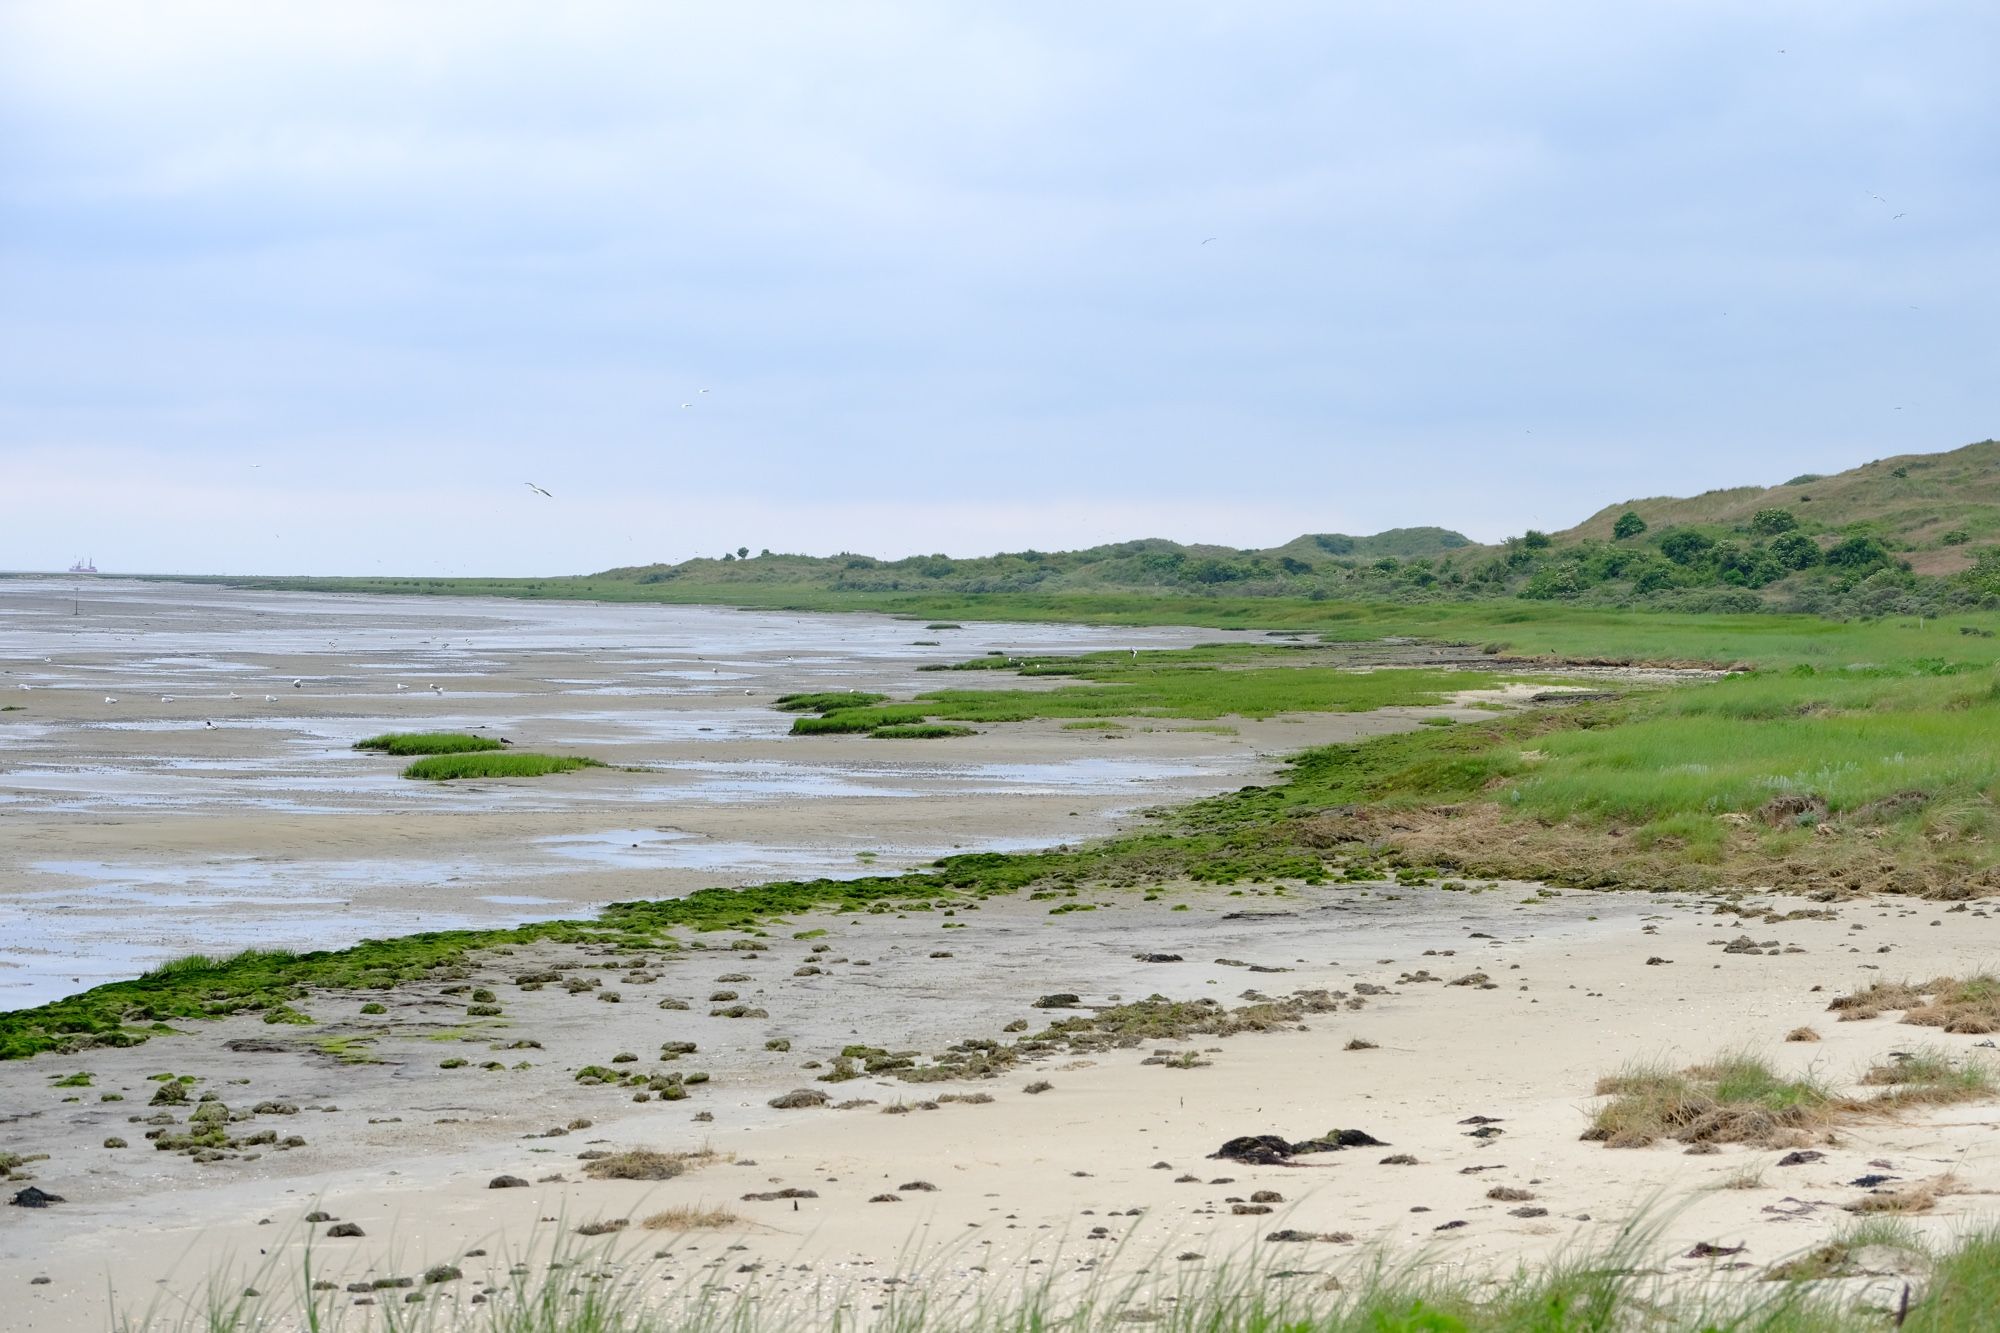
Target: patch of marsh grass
x=691, y=1217
x=1928, y=1077
x=429, y=742
x=1968, y=1006
x=859, y=719
x=512, y=764
x=196, y=965
x=827, y=701
x=1739, y=1098
x=648, y=1164
x=1735, y=1098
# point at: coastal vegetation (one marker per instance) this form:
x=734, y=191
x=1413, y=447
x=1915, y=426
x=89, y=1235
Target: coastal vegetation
x=1740, y=1098
x=1615, y=1286
x=1225, y=680
x=1914, y=534
x=429, y=742
x=495, y=764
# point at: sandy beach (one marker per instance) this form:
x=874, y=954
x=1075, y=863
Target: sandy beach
x=1104, y=1175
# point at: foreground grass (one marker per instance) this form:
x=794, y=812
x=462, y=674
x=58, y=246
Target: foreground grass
x=1614, y=1288
x=429, y=742
x=453, y=767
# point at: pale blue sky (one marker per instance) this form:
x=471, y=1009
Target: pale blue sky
x=316, y=287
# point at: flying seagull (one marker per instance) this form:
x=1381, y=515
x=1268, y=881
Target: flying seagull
x=536, y=489
x=687, y=404
x=1209, y=239
x=298, y=684
x=704, y=391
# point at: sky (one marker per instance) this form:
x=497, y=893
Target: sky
x=318, y=287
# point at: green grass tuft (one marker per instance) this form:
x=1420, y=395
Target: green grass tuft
x=827, y=702
x=453, y=767
x=429, y=742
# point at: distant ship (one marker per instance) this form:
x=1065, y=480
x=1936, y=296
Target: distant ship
x=84, y=566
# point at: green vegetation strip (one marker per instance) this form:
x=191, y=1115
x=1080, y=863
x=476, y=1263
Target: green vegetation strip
x=429, y=742
x=1506, y=626
x=510, y=764
x=1222, y=680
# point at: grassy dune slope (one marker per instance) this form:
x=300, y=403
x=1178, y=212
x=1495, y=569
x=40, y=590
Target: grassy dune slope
x=1914, y=499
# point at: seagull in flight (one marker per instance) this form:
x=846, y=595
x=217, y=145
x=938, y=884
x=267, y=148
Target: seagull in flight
x=704, y=391
x=536, y=489
x=299, y=684
x=1209, y=239
x=1899, y=215
x=687, y=404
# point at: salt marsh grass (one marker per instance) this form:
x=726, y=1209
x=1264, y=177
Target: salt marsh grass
x=429, y=742
x=1199, y=685
x=508, y=764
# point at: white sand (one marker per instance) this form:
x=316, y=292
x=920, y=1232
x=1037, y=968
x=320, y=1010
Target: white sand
x=1025, y=1177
